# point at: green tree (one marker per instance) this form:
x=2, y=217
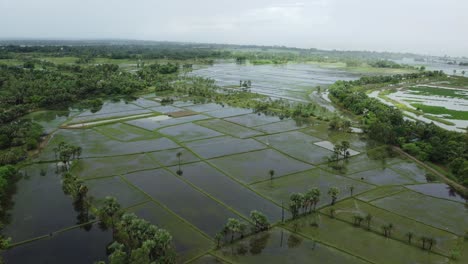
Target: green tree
x=110, y=212
x=333, y=192
x=271, y=173
x=260, y=221
x=410, y=236
x=296, y=201
x=368, y=219
x=233, y=226
x=179, y=155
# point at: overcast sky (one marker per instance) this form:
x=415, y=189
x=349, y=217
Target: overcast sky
x=423, y=26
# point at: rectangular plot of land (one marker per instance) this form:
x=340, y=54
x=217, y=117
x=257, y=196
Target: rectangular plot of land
x=155, y=123
x=439, y=190
x=330, y=146
x=281, y=246
x=181, y=198
x=380, y=192
x=165, y=109
x=108, y=166
x=280, y=189
x=96, y=117
x=124, y=132
x=363, y=162
x=146, y=103
x=97, y=145
x=368, y=245
x=228, y=191
x=222, y=146
x=228, y=112
x=188, y=132
x=282, y=126
x=298, y=145
x=381, y=177
x=169, y=157
x=254, y=166
x=252, y=120
x=204, y=107
x=348, y=209
x=411, y=170
x=115, y=187
x=444, y=214
x=188, y=241
x=229, y=128
x=41, y=191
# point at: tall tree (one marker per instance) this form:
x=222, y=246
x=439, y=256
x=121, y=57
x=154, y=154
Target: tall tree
x=333, y=192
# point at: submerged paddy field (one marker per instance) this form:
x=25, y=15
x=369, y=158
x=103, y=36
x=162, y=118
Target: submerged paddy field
x=225, y=160
x=189, y=174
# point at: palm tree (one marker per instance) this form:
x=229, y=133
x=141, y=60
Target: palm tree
x=431, y=242
x=296, y=201
x=358, y=220
x=351, y=189
x=315, y=197
x=368, y=220
x=233, y=225
x=385, y=230
x=390, y=228
x=272, y=173
x=110, y=211
x=218, y=237
x=333, y=192
x=423, y=240
x=409, y=235
x=179, y=171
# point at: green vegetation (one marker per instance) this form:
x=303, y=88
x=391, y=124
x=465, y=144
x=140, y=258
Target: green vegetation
x=439, y=110
x=426, y=90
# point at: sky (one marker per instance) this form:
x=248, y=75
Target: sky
x=435, y=27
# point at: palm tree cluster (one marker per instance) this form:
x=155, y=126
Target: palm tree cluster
x=304, y=202
x=76, y=188
x=235, y=227
x=260, y=221
x=66, y=153
x=427, y=241
x=135, y=240
x=138, y=241
x=387, y=230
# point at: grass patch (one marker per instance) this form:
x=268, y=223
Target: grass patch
x=280, y=189
x=443, y=214
x=439, y=110
x=347, y=210
x=254, y=166
x=431, y=91
x=229, y=128
x=357, y=241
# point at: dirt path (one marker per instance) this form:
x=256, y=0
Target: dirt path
x=460, y=188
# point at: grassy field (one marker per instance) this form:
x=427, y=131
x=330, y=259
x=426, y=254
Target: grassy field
x=426, y=90
x=439, y=110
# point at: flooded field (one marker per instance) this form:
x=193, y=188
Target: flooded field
x=226, y=158
x=291, y=81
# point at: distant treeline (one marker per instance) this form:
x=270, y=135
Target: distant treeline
x=386, y=124
x=127, y=49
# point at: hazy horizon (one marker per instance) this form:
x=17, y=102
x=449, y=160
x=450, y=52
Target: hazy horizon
x=422, y=27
